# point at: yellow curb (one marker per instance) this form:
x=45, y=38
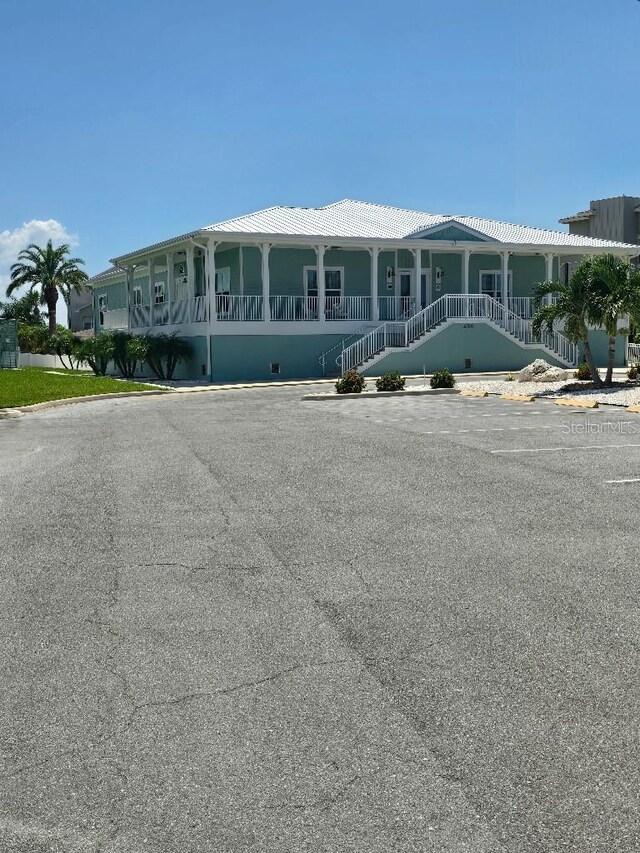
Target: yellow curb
x=470, y=393
x=518, y=398
x=577, y=402
x=634, y=409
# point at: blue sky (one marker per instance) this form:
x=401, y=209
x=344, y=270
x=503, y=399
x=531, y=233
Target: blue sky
x=128, y=122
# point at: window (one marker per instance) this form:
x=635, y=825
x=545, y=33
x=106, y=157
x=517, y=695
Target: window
x=223, y=280
x=137, y=296
x=159, y=292
x=102, y=306
x=87, y=324
x=491, y=283
x=333, y=280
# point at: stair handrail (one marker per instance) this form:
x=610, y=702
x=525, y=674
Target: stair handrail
x=358, y=332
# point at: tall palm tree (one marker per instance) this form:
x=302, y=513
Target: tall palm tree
x=50, y=272
x=616, y=292
x=575, y=304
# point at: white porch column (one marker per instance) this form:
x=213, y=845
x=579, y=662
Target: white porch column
x=375, y=312
x=548, y=273
x=320, y=250
x=191, y=283
x=129, y=289
x=265, y=248
x=466, y=255
x=170, y=283
x=417, y=261
x=211, y=270
x=152, y=291
x=505, y=276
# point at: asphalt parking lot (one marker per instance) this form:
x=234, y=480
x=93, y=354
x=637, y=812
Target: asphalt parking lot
x=240, y=621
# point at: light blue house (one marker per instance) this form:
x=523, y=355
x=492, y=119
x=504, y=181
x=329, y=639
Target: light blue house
x=293, y=292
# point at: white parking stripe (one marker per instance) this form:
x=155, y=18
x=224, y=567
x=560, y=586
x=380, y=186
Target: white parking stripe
x=552, y=449
x=635, y=480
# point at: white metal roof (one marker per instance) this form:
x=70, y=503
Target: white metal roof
x=358, y=220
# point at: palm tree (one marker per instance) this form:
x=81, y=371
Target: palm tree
x=575, y=304
x=616, y=292
x=51, y=272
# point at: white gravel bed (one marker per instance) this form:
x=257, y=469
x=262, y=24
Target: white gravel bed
x=610, y=396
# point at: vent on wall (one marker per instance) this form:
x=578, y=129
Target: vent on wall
x=467, y=363
x=274, y=367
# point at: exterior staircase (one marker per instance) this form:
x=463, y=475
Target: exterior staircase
x=406, y=335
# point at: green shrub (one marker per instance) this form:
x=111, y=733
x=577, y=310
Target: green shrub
x=390, y=382
x=164, y=352
x=582, y=372
x=64, y=345
x=510, y=377
x=33, y=338
x=351, y=382
x=443, y=379
x=97, y=352
x=632, y=373
x=129, y=351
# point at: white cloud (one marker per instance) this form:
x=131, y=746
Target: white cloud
x=37, y=231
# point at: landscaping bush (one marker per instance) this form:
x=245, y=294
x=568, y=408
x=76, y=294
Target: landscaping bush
x=164, y=352
x=390, y=382
x=443, y=379
x=64, y=345
x=97, y=352
x=632, y=373
x=351, y=382
x=510, y=377
x=582, y=372
x=33, y=338
x=129, y=351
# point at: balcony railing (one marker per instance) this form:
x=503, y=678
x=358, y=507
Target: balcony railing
x=113, y=319
x=396, y=307
x=230, y=307
x=306, y=308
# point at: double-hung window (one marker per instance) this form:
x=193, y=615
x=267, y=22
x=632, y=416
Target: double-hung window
x=333, y=281
x=137, y=296
x=158, y=289
x=102, y=306
x=491, y=283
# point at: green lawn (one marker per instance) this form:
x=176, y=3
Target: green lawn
x=36, y=384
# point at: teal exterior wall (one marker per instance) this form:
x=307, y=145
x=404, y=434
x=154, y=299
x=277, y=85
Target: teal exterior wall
x=252, y=270
x=599, y=342
x=488, y=350
x=248, y=357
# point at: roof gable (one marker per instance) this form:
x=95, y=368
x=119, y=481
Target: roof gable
x=451, y=230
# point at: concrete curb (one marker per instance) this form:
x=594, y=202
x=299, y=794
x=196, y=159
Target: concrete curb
x=374, y=395
x=518, y=398
x=576, y=402
x=471, y=393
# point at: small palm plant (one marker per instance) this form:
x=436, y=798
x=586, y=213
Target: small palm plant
x=616, y=286
x=50, y=272
x=575, y=304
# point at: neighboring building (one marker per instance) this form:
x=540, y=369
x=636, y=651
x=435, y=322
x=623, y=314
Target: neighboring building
x=80, y=311
x=608, y=219
x=298, y=292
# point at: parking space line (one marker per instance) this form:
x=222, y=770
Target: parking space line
x=553, y=449
x=630, y=480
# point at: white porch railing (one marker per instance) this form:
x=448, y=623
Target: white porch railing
x=231, y=307
x=633, y=353
x=181, y=311
x=347, y=307
x=395, y=307
x=293, y=307
x=401, y=334
x=522, y=306
x=115, y=318
x=200, y=312
x=140, y=316
x=160, y=314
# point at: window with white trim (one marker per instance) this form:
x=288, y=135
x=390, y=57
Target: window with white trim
x=158, y=290
x=491, y=283
x=333, y=281
x=102, y=306
x=137, y=296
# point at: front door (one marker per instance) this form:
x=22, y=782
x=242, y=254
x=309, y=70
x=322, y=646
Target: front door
x=403, y=293
x=425, y=289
